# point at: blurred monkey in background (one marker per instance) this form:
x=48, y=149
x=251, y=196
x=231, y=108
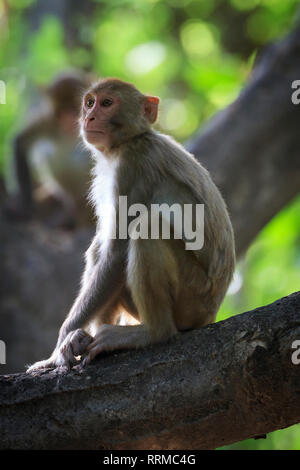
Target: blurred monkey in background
x=51, y=164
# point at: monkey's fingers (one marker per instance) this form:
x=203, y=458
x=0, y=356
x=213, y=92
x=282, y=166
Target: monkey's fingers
x=90, y=356
x=91, y=346
x=79, y=341
x=74, y=344
x=105, y=339
x=62, y=359
x=41, y=365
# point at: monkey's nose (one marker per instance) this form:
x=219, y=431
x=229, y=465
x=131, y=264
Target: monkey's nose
x=88, y=120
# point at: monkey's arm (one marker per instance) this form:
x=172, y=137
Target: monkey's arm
x=97, y=295
x=21, y=150
x=103, y=280
x=91, y=258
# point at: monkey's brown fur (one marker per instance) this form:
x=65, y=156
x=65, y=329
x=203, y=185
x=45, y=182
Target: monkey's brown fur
x=166, y=287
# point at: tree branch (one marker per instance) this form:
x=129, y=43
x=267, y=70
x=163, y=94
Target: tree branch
x=207, y=388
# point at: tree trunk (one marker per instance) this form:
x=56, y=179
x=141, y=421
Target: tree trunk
x=207, y=388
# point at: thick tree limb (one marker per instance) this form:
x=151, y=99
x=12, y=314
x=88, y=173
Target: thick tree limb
x=209, y=387
x=252, y=147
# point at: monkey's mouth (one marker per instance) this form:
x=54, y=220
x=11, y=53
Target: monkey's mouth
x=94, y=137
x=90, y=131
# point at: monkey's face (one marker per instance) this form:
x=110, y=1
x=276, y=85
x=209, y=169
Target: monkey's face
x=113, y=112
x=99, y=111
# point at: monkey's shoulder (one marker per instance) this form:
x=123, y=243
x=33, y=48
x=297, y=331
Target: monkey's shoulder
x=161, y=161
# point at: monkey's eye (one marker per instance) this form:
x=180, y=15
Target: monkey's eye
x=107, y=102
x=90, y=102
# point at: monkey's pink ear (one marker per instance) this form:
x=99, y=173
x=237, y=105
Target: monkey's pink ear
x=151, y=108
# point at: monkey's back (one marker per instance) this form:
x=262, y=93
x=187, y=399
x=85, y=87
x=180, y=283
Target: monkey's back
x=172, y=175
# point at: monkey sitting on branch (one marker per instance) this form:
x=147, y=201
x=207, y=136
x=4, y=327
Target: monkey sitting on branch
x=48, y=152
x=168, y=284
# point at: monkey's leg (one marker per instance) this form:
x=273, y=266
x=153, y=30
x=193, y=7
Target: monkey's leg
x=153, y=280
x=114, y=337
x=152, y=277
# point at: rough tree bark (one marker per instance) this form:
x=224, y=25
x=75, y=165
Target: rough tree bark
x=207, y=388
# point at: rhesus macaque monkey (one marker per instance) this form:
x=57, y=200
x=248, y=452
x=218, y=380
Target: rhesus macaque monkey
x=49, y=149
x=163, y=285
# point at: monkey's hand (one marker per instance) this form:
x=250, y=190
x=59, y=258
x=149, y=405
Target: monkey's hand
x=64, y=357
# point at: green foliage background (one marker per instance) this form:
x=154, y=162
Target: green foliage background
x=196, y=55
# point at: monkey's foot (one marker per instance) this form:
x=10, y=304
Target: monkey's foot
x=75, y=344
x=115, y=337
